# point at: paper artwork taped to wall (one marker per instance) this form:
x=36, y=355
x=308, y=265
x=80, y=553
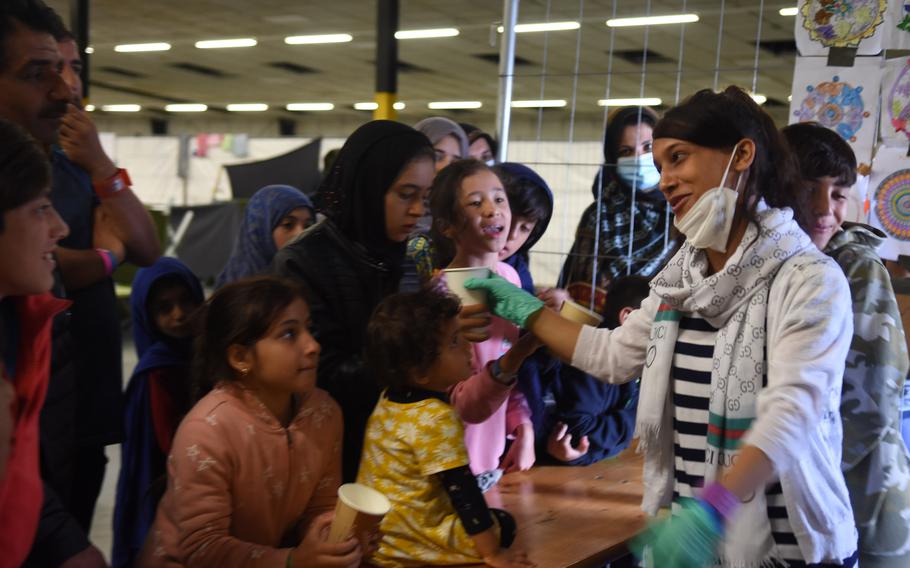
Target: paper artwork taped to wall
x=844, y=99
x=897, y=25
x=823, y=24
x=890, y=200
x=894, y=127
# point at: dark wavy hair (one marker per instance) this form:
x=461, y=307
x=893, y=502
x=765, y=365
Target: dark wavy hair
x=821, y=152
x=239, y=313
x=32, y=14
x=719, y=121
x=25, y=173
x=405, y=332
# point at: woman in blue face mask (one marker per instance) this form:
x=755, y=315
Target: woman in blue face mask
x=624, y=189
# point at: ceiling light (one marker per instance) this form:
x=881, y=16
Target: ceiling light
x=647, y=101
x=454, y=105
x=310, y=106
x=544, y=27
x=140, y=47
x=248, y=107
x=324, y=38
x=220, y=43
x=424, y=34
x=652, y=20
x=555, y=103
x=788, y=11
x=759, y=99
x=90, y=50
x=121, y=108
x=89, y=108
x=789, y=98
x=373, y=106
x=187, y=107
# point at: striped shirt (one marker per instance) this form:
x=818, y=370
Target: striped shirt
x=691, y=379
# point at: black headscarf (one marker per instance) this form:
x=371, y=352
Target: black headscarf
x=353, y=194
x=616, y=124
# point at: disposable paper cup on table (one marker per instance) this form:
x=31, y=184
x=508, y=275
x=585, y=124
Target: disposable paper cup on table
x=359, y=511
x=455, y=279
x=577, y=312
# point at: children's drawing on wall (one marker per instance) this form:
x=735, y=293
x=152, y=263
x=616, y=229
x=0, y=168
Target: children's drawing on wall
x=894, y=126
x=897, y=25
x=844, y=99
x=823, y=24
x=890, y=200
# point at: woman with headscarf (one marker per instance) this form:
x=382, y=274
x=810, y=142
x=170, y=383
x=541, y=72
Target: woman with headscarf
x=449, y=140
x=350, y=261
x=625, y=200
x=273, y=217
x=163, y=298
x=481, y=146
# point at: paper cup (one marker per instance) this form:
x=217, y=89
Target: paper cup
x=577, y=312
x=359, y=511
x=455, y=279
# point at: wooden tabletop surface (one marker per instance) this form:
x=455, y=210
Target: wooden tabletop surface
x=574, y=517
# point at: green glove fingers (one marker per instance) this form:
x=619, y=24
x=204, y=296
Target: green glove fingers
x=689, y=539
x=506, y=300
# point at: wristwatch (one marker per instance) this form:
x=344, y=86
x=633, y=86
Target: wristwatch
x=113, y=185
x=501, y=377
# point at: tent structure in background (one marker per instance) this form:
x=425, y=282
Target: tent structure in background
x=298, y=168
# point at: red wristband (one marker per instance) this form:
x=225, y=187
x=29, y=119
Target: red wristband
x=109, y=260
x=114, y=185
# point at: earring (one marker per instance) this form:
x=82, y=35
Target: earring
x=244, y=372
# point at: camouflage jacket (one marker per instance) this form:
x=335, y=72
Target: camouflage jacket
x=875, y=462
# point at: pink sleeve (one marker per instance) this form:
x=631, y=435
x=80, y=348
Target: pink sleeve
x=518, y=412
x=477, y=398
x=201, y=472
x=326, y=493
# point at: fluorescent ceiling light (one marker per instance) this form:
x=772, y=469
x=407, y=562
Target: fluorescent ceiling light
x=652, y=20
x=121, y=108
x=324, y=38
x=89, y=108
x=788, y=11
x=140, y=47
x=186, y=107
x=789, y=98
x=424, y=34
x=758, y=98
x=454, y=105
x=220, y=43
x=248, y=107
x=647, y=101
x=543, y=27
x=373, y=106
x=554, y=103
x=90, y=50
x=310, y=106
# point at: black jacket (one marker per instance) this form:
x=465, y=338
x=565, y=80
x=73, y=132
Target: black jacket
x=342, y=285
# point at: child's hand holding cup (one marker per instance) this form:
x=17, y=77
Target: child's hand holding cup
x=474, y=317
x=359, y=511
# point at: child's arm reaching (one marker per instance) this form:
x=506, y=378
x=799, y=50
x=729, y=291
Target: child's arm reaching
x=521, y=455
x=475, y=516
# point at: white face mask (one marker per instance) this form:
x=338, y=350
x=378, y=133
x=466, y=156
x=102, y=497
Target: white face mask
x=707, y=223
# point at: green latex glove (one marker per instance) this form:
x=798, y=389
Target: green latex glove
x=507, y=300
x=689, y=539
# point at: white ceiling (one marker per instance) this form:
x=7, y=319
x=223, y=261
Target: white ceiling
x=560, y=65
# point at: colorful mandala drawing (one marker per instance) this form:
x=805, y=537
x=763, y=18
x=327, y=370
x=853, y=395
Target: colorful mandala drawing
x=892, y=199
x=842, y=23
x=899, y=101
x=835, y=104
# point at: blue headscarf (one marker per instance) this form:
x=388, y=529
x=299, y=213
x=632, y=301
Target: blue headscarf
x=254, y=247
x=141, y=461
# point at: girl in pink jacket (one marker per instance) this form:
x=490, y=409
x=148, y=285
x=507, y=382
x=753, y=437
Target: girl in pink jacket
x=255, y=465
x=471, y=222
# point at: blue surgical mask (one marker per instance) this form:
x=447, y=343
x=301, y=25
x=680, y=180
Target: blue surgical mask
x=638, y=172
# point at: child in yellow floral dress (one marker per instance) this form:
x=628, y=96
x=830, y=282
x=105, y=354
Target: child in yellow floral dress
x=414, y=451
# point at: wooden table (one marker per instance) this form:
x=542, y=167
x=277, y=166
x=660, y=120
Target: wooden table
x=574, y=517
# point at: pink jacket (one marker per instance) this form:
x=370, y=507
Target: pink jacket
x=491, y=411
x=240, y=486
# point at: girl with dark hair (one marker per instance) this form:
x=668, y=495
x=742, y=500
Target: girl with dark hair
x=347, y=263
x=740, y=346
x=256, y=464
x=625, y=200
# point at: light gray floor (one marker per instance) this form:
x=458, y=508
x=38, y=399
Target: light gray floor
x=104, y=510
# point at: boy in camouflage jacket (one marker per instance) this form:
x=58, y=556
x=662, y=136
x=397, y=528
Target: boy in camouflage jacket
x=875, y=461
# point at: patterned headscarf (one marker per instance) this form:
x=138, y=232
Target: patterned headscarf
x=255, y=247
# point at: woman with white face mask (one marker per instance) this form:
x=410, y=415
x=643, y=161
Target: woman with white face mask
x=740, y=348
x=626, y=200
